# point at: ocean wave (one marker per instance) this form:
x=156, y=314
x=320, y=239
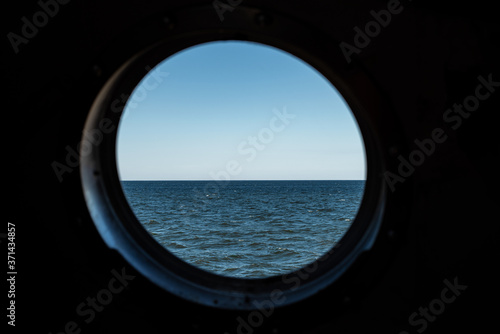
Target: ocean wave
x=247, y=229
x=326, y=210
x=175, y=245
x=151, y=222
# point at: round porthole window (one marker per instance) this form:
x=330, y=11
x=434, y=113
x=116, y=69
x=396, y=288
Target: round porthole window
x=241, y=159
x=233, y=165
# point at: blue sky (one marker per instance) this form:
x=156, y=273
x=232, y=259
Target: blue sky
x=238, y=111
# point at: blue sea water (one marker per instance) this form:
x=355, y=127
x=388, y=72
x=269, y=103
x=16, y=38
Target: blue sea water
x=246, y=229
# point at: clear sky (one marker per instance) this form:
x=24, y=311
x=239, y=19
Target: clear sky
x=238, y=111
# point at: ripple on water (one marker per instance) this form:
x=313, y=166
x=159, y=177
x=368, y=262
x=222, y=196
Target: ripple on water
x=247, y=228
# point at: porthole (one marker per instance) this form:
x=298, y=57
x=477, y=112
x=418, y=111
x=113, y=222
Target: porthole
x=161, y=259
x=227, y=179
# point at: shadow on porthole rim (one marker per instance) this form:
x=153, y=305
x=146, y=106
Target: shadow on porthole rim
x=115, y=220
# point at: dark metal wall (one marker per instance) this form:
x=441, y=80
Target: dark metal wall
x=428, y=58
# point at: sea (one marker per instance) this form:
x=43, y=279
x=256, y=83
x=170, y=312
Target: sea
x=246, y=229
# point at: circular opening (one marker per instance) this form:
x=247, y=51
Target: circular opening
x=241, y=159
x=137, y=80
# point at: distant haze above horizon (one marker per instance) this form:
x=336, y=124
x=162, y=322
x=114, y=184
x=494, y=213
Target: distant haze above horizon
x=235, y=110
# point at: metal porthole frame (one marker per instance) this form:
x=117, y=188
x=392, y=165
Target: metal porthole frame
x=114, y=219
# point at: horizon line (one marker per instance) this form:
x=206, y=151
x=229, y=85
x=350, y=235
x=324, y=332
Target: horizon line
x=242, y=180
